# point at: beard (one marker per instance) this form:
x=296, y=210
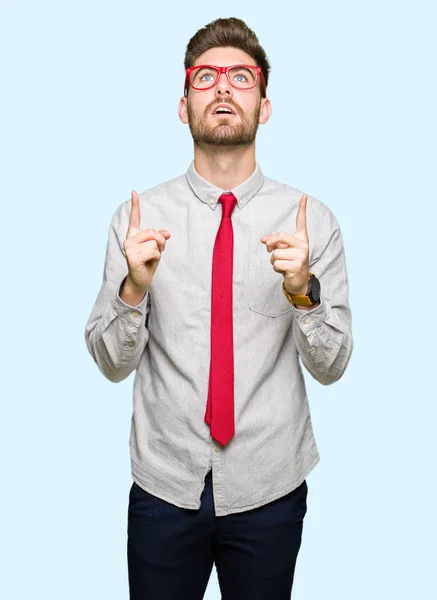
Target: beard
x=225, y=132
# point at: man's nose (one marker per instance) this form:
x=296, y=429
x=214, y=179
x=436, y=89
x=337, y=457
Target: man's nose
x=223, y=84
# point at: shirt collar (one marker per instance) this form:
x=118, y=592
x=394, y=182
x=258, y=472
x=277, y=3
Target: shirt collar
x=209, y=193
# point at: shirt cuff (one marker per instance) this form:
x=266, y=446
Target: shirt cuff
x=133, y=313
x=308, y=320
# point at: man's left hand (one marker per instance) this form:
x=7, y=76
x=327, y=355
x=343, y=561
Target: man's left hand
x=290, y=254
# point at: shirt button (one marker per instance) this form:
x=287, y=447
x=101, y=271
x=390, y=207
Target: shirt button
x=217, y=447
x=307, y=321
x=135, y=314
x=131, y=343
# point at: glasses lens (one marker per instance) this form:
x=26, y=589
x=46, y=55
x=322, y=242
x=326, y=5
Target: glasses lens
x=243, y=77
x=203, y=77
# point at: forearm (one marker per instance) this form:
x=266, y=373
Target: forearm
x=116, y=336
x=324, y=342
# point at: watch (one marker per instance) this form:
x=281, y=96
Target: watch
x=312, y=296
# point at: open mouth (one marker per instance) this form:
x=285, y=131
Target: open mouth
x=223, y=110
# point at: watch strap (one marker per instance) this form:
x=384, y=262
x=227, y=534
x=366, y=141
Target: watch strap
x=297, y=298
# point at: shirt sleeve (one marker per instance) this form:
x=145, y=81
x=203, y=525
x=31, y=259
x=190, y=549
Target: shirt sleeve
x=323, y=335
x=116, y=333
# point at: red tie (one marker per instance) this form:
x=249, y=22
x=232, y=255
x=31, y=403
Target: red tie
x=220, y=407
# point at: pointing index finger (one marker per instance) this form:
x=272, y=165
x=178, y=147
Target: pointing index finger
x=135, y=215
x=301, y=217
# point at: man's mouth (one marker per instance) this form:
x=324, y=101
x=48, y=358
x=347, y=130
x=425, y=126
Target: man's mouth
x=223, y=109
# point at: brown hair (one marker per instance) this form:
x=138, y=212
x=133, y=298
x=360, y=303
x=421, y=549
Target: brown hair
x=227, y=32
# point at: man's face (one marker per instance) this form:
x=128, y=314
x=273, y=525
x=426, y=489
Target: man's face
x=248, y=105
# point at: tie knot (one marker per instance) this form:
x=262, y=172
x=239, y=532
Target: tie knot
x=229, y=202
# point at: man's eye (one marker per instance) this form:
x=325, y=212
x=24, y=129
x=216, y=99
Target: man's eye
x=241, y=77
x=205, y=75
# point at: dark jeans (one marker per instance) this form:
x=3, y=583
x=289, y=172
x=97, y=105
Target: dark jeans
x=171, y=550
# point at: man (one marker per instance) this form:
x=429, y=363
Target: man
x=253, y=276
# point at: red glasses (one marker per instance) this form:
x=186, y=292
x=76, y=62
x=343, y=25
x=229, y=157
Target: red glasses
x=242, y=77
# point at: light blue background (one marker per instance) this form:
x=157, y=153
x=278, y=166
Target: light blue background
x=82, y=124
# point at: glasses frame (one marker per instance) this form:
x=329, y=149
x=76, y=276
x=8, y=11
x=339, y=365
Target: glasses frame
x=256, y=68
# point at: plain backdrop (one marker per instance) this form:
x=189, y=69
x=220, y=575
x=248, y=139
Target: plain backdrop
x=89, y=95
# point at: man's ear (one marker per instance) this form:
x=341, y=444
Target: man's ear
x=182, y=110
x=266, y=111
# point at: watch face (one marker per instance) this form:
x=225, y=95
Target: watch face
x=314, y=292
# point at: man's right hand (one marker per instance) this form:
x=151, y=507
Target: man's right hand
x=143, y=252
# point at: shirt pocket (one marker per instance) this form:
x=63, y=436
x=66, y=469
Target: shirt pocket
x=264, y=293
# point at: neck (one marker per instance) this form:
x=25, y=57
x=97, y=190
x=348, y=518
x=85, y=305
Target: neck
x=225, y=167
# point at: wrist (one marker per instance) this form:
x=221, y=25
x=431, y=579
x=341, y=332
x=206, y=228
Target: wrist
x=303, y=290
x=131, y=294
x=307, y=298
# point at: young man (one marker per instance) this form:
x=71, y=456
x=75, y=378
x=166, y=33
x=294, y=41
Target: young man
x=215, y=283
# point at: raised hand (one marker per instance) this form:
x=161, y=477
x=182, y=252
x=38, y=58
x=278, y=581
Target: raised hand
x=143, y=250
x=290, y=254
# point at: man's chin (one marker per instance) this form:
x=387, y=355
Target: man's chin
x=221, y=141
x=223, y=135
